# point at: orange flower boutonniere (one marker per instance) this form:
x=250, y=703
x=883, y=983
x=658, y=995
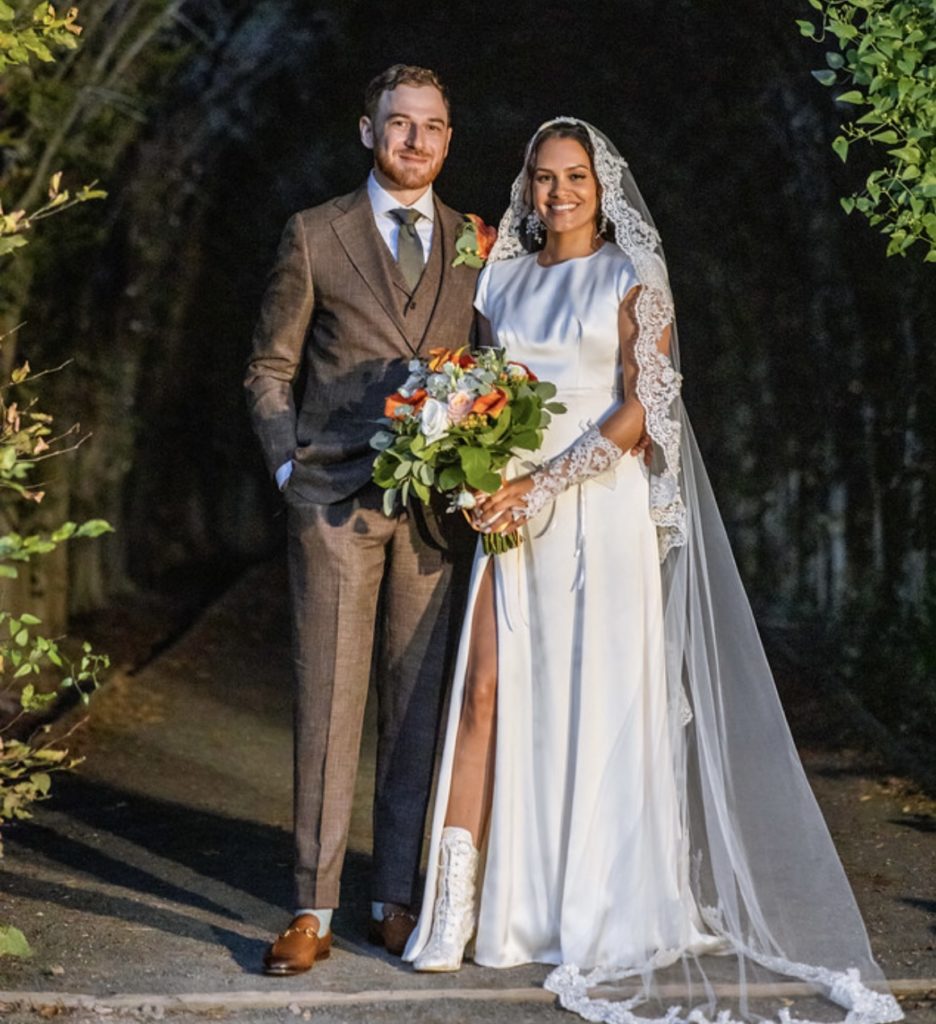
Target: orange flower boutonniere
x=473, y=242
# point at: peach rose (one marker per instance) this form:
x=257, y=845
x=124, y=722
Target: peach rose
x=459, y=405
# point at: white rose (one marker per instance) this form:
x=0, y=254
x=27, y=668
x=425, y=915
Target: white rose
x=434, y=420
x=465, y=499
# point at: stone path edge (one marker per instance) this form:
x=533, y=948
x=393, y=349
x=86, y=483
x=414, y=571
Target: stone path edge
x=314, y=1000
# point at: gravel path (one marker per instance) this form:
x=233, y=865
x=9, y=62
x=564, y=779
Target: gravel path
x=162, y=866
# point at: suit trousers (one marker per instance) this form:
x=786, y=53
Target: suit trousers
x=366, y=591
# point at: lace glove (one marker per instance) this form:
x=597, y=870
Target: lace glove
x=592, y=454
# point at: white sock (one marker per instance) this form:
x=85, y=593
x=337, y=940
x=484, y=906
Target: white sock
x=324, y=917
x=376, y=911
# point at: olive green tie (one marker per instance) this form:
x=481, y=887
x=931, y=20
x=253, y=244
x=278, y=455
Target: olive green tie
x=410, y=256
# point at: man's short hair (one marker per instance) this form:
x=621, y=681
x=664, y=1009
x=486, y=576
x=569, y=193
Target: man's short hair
x=401, y=74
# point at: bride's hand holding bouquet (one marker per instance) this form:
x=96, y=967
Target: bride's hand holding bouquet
x=453, y=426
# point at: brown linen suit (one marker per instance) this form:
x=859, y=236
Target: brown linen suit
x=338, y=311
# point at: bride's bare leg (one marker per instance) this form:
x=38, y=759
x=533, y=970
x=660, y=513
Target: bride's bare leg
x=473, y=767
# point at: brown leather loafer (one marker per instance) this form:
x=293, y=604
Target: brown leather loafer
x=393, y=931
x=297, y=949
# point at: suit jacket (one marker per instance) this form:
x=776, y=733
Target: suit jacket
x=338, y=316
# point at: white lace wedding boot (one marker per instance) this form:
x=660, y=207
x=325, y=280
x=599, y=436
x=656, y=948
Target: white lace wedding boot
x=453, y=916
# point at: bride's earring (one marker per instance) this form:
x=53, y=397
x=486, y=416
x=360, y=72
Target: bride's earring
x=602, y=225
x=534, y=226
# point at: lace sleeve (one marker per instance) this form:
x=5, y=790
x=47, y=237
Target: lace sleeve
x=591, y=455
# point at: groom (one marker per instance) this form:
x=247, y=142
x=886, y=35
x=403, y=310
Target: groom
x=361, y=285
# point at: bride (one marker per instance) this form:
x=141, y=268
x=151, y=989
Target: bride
x=619, y=794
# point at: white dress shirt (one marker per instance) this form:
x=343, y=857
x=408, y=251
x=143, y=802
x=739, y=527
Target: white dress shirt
x=382, y=203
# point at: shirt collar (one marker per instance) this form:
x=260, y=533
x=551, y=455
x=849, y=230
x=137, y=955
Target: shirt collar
x=382, y=202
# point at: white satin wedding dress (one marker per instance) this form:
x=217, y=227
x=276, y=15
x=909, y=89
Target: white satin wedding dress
x=585, y=861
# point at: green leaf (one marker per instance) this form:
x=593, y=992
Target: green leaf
x=29, y=620
x=847, y=203
x=12, y=940
x=888, y=137
x=825, y=77
x=6, y=12
x=908, y=153
x=10, y=242
x=476, y=463
x=43, y=782
x=852, y=96
x=835, y=60
x=64, y=532
x=840, y=146
x=451, y=477
x=807, y=28
x=94, y=528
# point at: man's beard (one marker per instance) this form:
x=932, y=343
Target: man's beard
x=406, y=177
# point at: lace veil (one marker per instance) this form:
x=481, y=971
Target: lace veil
x=760, y=865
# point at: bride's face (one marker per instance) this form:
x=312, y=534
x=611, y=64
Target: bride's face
x=564, y=187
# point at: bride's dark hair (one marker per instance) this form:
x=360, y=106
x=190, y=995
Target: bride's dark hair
x=565, y=130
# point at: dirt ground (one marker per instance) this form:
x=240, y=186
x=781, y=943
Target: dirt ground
x=162, y=866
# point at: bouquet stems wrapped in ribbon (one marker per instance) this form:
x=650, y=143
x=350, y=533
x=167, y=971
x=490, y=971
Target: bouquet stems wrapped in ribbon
x=453, y=426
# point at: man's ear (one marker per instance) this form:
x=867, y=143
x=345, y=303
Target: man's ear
x=367, y=132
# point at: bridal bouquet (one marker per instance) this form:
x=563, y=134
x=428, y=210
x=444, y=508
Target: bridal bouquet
x=455, y=424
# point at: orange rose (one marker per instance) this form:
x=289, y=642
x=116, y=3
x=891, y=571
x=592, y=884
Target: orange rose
x=441, y=356
x=485, y=234
x=491, y=404
x=395, y=403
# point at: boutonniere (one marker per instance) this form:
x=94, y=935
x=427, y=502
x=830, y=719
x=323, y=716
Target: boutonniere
x=473, y=241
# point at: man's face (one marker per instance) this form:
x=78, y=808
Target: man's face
x=410, y=136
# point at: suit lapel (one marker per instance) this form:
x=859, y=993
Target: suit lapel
x=361, y=240
x=358, y=235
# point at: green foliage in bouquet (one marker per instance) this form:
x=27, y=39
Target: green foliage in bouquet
x=455, y=424
x=886, y=54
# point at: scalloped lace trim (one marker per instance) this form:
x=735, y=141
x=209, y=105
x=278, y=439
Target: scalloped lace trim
x=864, y=1005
